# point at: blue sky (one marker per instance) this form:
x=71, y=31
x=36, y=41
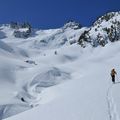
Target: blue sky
x=54, y=13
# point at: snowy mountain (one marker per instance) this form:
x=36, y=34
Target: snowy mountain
x=60, y=74
x=106, y=29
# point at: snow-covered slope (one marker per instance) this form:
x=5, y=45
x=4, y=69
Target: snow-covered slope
x=51, y=77
x=84, y=95
x=24, y=69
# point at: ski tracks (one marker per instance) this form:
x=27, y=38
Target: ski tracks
x=112, y=110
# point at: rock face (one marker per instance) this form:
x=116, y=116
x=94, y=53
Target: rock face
x=105, y=29
x=23, y=30
x=73, y=25
x=22, y=33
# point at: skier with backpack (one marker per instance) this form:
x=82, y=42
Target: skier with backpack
x=113, y=73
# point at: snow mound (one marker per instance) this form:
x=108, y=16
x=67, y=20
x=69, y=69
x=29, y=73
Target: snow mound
x=50, y=78
x=5, y=47
x=12, y=109
x=2, y=35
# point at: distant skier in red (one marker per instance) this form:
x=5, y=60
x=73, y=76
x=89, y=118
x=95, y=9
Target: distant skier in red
x=113, y=73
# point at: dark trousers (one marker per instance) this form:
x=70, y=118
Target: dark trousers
x=113, y=78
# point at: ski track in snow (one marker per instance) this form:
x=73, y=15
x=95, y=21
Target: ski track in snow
x=112, y=111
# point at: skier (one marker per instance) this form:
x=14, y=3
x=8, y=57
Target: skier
x=113, y=73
